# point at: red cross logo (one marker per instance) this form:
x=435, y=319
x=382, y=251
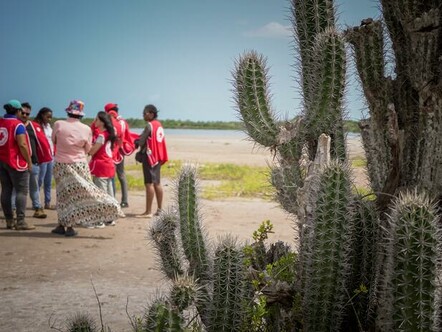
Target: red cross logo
x=3, y=136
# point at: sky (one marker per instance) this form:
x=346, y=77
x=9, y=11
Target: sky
x=176, y=54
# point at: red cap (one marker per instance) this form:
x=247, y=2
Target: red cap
x=110, y=106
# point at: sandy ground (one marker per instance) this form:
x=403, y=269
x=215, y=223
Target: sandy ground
x=45, y=278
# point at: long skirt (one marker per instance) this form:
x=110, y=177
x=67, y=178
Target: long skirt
x=79, y=200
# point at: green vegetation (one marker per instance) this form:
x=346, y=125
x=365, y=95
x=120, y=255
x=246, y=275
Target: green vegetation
x=349, y=125
x=224, y=180
x=231, y=180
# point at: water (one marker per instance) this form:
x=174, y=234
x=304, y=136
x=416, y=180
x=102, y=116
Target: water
x=199, y=132
x=216, y=133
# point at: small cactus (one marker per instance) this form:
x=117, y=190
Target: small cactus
x=162, y=317
x=81, y=322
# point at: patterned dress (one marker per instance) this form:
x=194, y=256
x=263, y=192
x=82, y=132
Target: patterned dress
x=79, y=200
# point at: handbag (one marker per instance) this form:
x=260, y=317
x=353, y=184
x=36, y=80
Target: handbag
x=139, y=156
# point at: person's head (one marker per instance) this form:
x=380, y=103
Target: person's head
x=44, y=116
x=26, y=105
x=104, y=120
x=75, y=109
x=25, y=112
x=13, y=107
x=111, y=107
x=150, y=112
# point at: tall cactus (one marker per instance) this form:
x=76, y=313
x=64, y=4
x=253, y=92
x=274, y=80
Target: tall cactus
x=327, y=264
x=402, y=141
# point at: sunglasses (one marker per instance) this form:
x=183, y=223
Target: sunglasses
x=25, y=113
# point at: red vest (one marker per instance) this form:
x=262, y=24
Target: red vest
x=102, y=164
x=9, y=150
x=120, y=147
x=156, y=143
x=44, y=153
x=127, y=144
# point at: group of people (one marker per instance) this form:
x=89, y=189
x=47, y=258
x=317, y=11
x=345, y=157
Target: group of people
x=82, y=160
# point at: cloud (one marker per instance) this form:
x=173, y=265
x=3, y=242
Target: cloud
x=270, y=30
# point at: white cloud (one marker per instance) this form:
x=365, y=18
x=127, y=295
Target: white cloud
x=270, y=30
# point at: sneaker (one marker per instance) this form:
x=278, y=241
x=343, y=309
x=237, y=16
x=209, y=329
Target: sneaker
x=70, y=232
x=124, y=205
x=110, y=223
x=59, y=230
x=100, y=225
x=10, y=223
x=39, y=213
x=90, y=226
x=23, y=226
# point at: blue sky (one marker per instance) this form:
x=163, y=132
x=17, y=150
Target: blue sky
x=176, y=54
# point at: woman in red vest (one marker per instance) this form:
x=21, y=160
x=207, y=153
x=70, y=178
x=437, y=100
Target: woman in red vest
x=102, y=164
x=15, y=166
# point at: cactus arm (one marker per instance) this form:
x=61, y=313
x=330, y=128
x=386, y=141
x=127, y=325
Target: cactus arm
x=368, y=46
x=411, y=300
x=308, y=19
x=323, y=100
x=253, y=99
x=162, y=234
x=229, y=299
x=192, y=236
x=327, y=265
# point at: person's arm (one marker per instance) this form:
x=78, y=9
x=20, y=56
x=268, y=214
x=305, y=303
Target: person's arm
x=97, y=145
x=142, y=140
x=53, y=135
x=88, y=144
x=24, y=149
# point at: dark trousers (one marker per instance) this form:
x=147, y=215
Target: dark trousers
x=123, y=182
x=12, y=179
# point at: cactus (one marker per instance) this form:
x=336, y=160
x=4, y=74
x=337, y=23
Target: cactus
x=327, y=264
x=401, y=139
x=81, y=322
x=402, y=136
x=411, y=298
x=192, y=236
x=162, y=316
x=165, y=242
x=229, y=299
x=215, y=284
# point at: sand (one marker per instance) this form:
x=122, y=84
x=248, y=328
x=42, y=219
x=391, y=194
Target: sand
x=46, y=278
